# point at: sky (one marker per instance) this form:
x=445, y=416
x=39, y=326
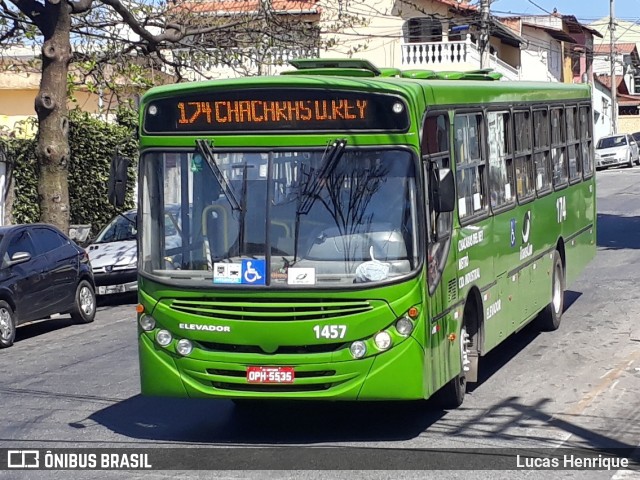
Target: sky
x=586, y=11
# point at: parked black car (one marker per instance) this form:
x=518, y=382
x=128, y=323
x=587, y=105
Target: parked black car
x=42, y=272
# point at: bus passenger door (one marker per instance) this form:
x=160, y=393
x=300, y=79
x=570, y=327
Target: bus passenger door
x=441, y=273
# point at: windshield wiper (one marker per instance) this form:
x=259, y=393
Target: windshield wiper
x=205, y=148
x=328, y=163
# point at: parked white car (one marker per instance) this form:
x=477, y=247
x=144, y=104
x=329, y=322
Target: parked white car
x=114, y=255
x=114, y=252
x=614, y=150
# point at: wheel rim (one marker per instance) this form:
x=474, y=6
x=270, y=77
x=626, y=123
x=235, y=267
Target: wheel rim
x=556, y=297
x=86, y=300
x=5, y=324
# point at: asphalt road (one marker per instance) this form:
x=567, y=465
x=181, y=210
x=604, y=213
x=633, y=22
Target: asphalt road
x=76, y=386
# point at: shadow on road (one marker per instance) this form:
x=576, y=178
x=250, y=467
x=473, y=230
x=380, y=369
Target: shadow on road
x=616, y=232
x=129, y=298
x=42, y=327
x=48, y=325
x=220, y=421
x=511, y=347
x=286, y=422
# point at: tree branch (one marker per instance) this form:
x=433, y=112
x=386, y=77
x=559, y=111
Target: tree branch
x=80, y=6
x=31, y=9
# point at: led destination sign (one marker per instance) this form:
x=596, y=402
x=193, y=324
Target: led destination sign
x=269, y=110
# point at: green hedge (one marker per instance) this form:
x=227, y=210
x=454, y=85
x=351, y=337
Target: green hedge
x=93, y=142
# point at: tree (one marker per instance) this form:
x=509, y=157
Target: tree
x=116, y=44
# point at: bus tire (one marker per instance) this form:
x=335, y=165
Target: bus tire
x=7, y=325
x=451, y=395
x=549, y=319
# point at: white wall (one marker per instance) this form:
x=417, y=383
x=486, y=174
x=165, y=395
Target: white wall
x=541, y=56
x=601, y=115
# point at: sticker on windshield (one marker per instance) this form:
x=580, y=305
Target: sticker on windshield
x=227, y=273
x=301, y=276
x=249, y=272
x=253, y=272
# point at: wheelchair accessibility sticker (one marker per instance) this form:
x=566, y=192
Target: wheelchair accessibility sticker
x=249, y=272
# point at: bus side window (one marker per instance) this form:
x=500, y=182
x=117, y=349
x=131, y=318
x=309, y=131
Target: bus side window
x=525, y=187
x=558, y=155
x=573, y=137
x=500, y=158
x=470, y=177
x=585, y=140
x=541, y=155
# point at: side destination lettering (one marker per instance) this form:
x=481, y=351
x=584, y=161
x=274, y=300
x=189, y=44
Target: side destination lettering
x=472, y=276
x=526, y=252
x=209, y=328
x=260, y=111
x=471, y=240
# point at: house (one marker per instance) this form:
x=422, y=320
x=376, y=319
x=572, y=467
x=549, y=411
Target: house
x=427, y=34
x=557, y=47
x=628, y=118
x=19, y=85
x=626, y=63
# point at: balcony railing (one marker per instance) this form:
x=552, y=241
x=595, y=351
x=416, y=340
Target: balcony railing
x=456, y=55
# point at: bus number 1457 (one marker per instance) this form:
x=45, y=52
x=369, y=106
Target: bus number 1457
x=330, y=331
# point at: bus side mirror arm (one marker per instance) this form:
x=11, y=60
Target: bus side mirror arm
x=444, y=190
x=117, y=184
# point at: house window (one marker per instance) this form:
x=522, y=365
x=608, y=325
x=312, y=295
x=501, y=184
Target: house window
x=422, y=29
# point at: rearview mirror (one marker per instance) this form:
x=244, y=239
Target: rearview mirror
x=117, y=185
x=19, y=257
x=444, y=191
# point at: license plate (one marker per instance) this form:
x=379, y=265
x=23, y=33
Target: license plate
x=107, y=289
x=270, y=374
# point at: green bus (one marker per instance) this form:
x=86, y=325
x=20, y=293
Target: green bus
x=347, y=232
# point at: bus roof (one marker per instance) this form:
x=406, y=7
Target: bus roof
x=439, y=88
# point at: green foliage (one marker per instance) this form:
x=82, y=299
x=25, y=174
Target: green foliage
x=93, y=142
x=21, y=155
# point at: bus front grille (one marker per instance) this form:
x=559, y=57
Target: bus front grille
x=281, y=350
x=271, y=309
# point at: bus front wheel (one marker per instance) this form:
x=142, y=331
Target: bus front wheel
x=451, y=395
x=549, y=319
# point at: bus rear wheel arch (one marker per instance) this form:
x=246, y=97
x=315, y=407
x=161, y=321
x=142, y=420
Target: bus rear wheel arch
x=550, y=317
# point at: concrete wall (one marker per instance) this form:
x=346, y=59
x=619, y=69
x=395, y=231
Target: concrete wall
x=601, y=115
x=628, y=123
x=541, y=59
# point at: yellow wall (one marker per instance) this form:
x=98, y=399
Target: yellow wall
x=628, y=123
x=17, y=105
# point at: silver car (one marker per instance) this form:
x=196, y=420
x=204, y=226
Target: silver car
x=615, y=150
x=114, y=255
x=114, y=252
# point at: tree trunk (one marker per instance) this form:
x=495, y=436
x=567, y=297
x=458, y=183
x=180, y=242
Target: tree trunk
x=52, y=149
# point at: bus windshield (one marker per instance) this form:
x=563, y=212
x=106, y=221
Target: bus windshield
x=280, y=218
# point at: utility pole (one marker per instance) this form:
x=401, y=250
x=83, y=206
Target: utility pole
x=484, y=33
x=612, y=65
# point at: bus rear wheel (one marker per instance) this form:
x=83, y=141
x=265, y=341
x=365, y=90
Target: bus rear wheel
x=451, y=395
x=549, y=319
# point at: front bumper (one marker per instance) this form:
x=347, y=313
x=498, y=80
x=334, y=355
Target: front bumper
x=115, y=281
x=397, y=374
